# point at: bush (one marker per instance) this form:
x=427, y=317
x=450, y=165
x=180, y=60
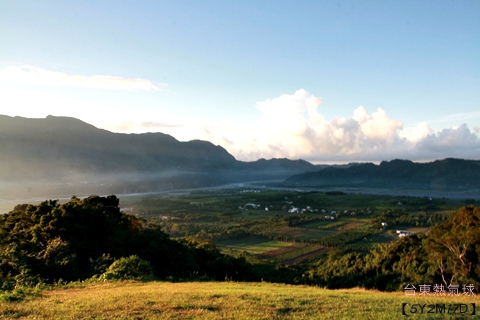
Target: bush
x=131, y=267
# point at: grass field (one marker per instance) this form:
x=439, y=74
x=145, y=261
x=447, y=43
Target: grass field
x=229, y=300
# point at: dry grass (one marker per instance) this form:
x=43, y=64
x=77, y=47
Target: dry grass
x=214, y=300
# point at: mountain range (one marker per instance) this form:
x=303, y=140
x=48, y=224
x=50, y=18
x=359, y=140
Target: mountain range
x=61, y=156
x=447, y=175
x=67, y=155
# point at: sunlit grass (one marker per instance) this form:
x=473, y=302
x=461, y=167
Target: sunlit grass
x=216, y=300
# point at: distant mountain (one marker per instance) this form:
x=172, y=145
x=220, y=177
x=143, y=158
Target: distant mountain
x=60, y=157
x=60, y=154
x=441, y=175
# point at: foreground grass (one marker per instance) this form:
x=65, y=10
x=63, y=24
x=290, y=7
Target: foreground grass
x=220, y=300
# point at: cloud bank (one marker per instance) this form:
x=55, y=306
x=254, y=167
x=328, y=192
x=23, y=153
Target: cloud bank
x=292, y=126
x=31, y=74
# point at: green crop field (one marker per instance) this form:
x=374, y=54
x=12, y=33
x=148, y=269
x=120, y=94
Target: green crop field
x=254, y=245
x=323, y=224
x=231, y=300
x=258, y=222
x=277, y=251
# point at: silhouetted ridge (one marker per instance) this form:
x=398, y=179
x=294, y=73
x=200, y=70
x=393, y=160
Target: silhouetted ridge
x=70, y=154
x=448, y=174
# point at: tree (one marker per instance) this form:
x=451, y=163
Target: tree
x=391, y=266
x=454, y=246
x=78, y=239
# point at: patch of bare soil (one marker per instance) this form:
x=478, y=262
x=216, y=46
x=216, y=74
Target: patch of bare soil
x=276, y=252
x=306, y=256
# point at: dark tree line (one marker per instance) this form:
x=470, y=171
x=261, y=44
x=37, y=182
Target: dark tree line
x=82, y=238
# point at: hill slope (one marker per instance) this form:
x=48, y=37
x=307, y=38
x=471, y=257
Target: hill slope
x=59, y=154
x=227, y=300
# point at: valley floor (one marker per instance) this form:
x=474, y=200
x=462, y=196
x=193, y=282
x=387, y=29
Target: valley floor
x=231, y=300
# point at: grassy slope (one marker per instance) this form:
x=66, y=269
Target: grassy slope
x=217, y=300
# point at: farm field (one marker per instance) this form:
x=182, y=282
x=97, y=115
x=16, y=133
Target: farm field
x=275, y=224
x=254, y=245
x=276, y=251
x=230, y=300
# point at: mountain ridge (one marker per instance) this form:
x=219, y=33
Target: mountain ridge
x=68, y=151
x=449, y=174
x=61, y=156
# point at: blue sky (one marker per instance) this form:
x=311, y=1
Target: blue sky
x=326, y=81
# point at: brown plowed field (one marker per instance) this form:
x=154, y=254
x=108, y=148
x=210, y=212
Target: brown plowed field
x=276, y=252
x=306, y=256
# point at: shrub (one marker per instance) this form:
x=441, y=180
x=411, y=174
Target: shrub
x=131, y=267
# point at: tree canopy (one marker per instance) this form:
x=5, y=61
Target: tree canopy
x=83, y=237
x=447, y=254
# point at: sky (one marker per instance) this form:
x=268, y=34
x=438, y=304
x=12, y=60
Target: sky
x=326, y=81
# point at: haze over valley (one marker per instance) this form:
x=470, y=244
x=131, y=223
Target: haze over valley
x=57, y=157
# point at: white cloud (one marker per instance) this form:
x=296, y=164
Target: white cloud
x=376, y=126
x=297, y=129
x=31, y=74
x=458, y=140
x=417, y=133
x=291, y=126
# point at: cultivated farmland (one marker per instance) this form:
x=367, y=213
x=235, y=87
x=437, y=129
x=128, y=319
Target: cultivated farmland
x=279, y=225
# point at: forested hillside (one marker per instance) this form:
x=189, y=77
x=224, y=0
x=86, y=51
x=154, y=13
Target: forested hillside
x=440, y=175
x=447, y=255
x=83, y=238
x=87, y=238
